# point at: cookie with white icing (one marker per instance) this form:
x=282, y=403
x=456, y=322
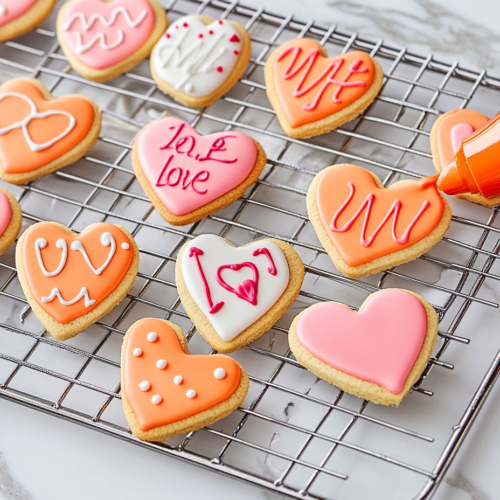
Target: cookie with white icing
x=11, y=219
x=188, y=176
x=166, y=391
x=198, y=60
x=20, y=16
x=40, y=134
x=235, y=294
x=103, y=39
x=72, y=280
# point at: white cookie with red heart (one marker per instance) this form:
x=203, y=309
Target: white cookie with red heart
x=235, y=294
x=198, y=60
x=103, y=39
x=188, y=176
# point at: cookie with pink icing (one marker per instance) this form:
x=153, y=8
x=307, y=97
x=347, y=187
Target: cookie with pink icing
x=377, y=353
x=188, y=176
x=198, y=59
x=103, y=39
x=20, y=16
x=10, y=219
x=446, y=136
x=235, y=294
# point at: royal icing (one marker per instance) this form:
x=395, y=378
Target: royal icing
x=453, y=128
x=196, y=58
x=378, y=344
x=12, y=9
x=187, y=170
x=171, y=396
x=34, y=131
x=311, y=87
x=5, y=212
x=61, y=269
x=233, y=287
x=101, y=34
x=357, y=214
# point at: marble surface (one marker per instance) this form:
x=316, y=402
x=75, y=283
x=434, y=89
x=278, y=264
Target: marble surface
x=45, y=458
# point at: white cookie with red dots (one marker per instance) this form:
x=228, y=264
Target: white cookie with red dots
x=198, y=60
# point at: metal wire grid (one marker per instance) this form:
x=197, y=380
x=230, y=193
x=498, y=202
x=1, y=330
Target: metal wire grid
x=102, y=187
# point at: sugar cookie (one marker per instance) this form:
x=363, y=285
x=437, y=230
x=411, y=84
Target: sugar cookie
x=312, y=93
x=377, y=353
x=11, y=219
x=198, y=60
x=366, y=228
x=188, y=176
x=20, y=16
x=235, y=294
x=71, y=280
x=40, y=134
x=103, y=39
x=166, y=391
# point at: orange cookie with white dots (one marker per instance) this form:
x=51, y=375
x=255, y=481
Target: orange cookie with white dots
x=166, y=391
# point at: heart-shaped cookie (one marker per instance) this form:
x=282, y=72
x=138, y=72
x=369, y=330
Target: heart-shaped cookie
x=313, y=94
x=366, y=228
x=10, y=219
x=20, y=16
x=188, y=176
x=166, y=391
x=103, y=39
x=40, y=134
x=198, y=60
x=377, y=353
x=446, y=135
x=72, y=280
x=233, y=295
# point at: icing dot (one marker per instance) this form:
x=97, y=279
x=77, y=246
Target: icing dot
x=185, y=25
x=178, y=380
x=219, y=69
x=137, y=352
x=236, y=52
x=144, y=385
x=190, y=393
x=177, y=27
x=220, y=21
x=125, y=246
x=167, y=35
x=219, y=373
x=152, y=337
x=200, y=36
x=156, y=399
x=210, y=32
x=161, y=364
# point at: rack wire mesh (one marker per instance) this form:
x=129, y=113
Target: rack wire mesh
x=294, y=434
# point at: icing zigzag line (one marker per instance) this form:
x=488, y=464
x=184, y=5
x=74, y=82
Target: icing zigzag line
x=86, y=25
x=56, y=293
x=367, y=203
x=81, y=47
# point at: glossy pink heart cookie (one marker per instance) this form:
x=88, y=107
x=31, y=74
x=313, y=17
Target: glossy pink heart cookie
x=183, y=171
x=12, y=9
x=377, y=353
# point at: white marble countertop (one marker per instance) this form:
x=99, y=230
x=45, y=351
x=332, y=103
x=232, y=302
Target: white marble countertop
x=45, y=458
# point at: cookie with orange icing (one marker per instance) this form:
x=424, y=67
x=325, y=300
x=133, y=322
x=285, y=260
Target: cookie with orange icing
x=366, y=228
x=312, y=93
x=72, y=280
x=20, y=16
x=166, y=391
x=103, y=39
x=447, y=134
x=40, y=134
x=10, y=219
x=377, y=353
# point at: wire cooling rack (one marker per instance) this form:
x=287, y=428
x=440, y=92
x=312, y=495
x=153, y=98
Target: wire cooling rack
x=294, y=434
